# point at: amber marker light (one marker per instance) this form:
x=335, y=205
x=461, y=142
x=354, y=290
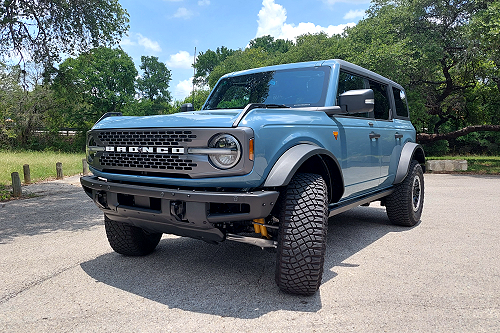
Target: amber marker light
x=336, y=134
x=250, y=150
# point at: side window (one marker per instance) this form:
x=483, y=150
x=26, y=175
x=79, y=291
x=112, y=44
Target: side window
x=382, y=105
x=348, y=81
x=400, y=101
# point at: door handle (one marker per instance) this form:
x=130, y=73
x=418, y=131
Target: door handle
x=398, y=135
x=374, y=135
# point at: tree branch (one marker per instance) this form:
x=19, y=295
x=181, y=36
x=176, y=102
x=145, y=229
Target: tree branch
x=429, y=138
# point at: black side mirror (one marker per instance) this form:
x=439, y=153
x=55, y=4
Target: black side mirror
x=187, y=107
x=357, y=101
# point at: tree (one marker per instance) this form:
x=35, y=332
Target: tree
x=207, y=61
x=42, y=30
x=444, y=52
x=485, y=29
x=22, y=112
x=240, y=60
x=99, y=81
x=198, y=99
x=154, y=82
x=270, y=45
x=428, y=47
x=310, y=47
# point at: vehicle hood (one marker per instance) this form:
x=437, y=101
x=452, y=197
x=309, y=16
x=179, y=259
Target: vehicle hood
x=196, y=119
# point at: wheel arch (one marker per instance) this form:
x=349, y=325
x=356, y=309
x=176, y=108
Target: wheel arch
x=411, y=151
x=308, y=158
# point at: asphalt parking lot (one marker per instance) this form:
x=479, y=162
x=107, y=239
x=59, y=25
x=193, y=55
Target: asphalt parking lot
x=58, y=273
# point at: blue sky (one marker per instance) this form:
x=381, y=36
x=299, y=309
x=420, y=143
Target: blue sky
x=171, y=29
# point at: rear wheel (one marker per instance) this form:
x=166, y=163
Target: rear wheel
x=302, y=235
x=129, y=240
x=404, y=206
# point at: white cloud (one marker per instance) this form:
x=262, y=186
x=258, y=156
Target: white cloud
x=127, y=42
x=181, y=59
x=138, y=39
x=148, y=43
x=272, y=17
x=183, y=89
x=353, y=14
x=290, y=31
x=203, y=2
x=272, y=21
x=183, y=13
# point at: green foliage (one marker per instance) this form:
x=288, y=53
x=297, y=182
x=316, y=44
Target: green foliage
x=207, y=61
x=21, y=112
x=240, y=60
x=154, y=82
x=444, y=53
x=99, y=81
x=145, y=107
x=270, y=45
x=42, y=30
x=311, y=47
x=199, y=98
x=438, y=148
x=483, y=143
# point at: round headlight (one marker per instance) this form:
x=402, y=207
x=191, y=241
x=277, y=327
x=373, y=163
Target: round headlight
x=227, y=151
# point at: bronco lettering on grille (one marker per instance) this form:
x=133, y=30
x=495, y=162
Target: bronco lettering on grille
x=158, y=150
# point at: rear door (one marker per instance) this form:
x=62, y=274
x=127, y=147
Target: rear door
x=399, y=130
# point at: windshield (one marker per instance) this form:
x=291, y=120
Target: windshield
x=293, y=87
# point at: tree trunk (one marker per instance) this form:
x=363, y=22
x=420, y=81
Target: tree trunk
x=428, y=138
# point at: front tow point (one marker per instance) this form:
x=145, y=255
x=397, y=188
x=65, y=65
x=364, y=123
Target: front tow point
x=178, y=209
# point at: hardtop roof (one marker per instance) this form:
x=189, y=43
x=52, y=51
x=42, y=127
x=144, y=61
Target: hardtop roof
x=355, y=69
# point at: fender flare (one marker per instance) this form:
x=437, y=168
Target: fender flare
x=411, y=151
x=288, y=164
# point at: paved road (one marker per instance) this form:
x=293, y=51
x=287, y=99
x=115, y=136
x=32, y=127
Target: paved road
x=58, y=274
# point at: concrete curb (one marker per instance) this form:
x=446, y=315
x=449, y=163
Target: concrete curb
x=446, y=165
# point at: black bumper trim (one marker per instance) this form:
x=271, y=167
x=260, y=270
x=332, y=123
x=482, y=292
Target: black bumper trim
x=197, y=216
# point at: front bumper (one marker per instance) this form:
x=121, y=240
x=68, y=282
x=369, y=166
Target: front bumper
x=189, y=213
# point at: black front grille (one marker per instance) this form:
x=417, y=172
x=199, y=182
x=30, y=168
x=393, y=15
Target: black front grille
x=149, y=161
x=145, y=138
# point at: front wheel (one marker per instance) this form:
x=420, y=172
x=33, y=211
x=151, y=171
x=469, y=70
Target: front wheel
x=129, y=240
x=302, y=234
x=404, y=206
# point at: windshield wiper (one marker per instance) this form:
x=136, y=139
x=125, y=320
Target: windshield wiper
x=277, y=106
x=256, y=106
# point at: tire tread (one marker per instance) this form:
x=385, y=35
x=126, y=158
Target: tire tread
x=399, y=203
x=302, y=245
x=129, y=240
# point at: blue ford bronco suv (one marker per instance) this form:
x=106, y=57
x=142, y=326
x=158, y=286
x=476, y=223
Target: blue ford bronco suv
x=273, y=153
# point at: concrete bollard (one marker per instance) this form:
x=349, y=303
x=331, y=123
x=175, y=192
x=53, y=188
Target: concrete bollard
x=16, y=185
x=59, y=170
x=85, y=167
x=27, y=174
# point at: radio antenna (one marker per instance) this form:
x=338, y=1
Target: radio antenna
x=194, y=70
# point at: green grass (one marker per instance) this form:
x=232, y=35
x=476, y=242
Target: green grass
x=484, y=165
x=42, y=165
x=5, y=193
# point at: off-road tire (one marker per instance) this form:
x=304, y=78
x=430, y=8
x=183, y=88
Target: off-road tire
x=129, y=240
x=404, y=206
x=301, y=249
